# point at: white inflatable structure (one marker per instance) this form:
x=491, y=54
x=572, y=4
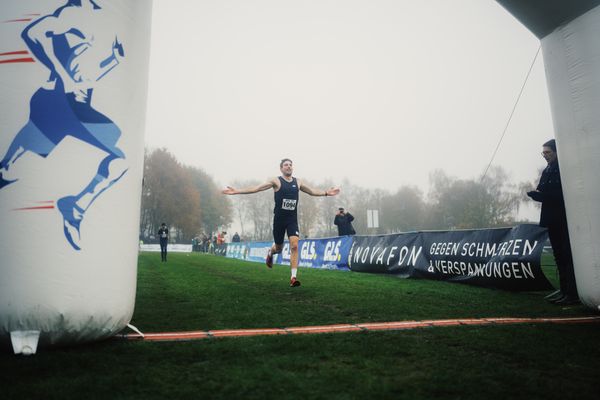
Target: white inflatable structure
x=569, y=33
x=73, y=77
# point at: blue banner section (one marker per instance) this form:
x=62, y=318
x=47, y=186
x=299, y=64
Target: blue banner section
x=249, y=251
x=329, y=253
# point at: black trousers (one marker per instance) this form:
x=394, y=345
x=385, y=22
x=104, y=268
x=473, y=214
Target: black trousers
x=163, y=250
x=561, y=247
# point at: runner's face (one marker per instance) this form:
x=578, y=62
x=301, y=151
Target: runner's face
x=287, y=169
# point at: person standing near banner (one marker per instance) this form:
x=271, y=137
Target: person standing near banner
x=343, y=220
x=286, y=189
x=163, y=236
x=554, y=217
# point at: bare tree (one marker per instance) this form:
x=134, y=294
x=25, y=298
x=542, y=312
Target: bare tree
x=168, y=196
x=215, y=210
x=308, y=213
x=403, y=211
x=257, y=210
x=462, y=203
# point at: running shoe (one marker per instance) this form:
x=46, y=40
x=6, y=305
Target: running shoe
x=294, y=282
x=269, y=260
x=72, y=216
x=5, y=182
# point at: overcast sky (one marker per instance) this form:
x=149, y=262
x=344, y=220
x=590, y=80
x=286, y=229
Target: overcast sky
x=377, y=91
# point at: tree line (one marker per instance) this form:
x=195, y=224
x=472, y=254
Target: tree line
x=190, y=201
x=186, y=198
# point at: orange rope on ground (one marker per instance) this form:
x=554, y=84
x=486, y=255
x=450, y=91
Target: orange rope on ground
x=369, y=326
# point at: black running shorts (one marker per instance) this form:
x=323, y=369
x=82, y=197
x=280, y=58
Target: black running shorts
x=281, y=226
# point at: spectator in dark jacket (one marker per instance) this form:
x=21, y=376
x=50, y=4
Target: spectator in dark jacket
x=163, y=235
x=343, y=220
x=554, y=217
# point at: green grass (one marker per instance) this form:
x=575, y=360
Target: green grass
x=202, y=292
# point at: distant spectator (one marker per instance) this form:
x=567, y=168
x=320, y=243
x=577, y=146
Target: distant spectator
x=205, y=243
x=235, y=238
x=163, y=236
x=212, y=245
x=343, y=220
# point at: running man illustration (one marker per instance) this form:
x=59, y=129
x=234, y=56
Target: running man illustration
x=73, y=45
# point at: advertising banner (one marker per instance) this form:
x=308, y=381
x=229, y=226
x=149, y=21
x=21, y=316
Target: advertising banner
x=257, y=251
x=171, y=248
x=238, y=250
x=221, y=250
x=506, y=258
x=329, y=253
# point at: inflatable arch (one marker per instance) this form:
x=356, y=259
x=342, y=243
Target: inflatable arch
x=74, y=73
x=569, y=32
x=70, y=212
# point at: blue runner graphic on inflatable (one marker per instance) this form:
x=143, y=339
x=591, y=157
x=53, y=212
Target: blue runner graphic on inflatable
x=72, y=44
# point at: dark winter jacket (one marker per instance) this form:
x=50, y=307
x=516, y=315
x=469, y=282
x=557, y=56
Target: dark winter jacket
x=549, y=193
x=344, y=224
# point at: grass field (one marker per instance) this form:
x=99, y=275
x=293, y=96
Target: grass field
x=202, y=292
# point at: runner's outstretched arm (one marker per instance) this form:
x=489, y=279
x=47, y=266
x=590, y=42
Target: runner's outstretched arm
x=332, y=191
x=270, y=184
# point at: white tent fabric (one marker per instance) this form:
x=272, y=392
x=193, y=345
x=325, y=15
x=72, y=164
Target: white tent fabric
x=73, y=77
x=572, y=60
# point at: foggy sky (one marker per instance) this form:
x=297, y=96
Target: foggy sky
x=380, y=92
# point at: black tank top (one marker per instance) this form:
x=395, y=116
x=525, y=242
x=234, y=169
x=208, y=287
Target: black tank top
x=286, y=199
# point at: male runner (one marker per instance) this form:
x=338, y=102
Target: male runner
x=285, y=220
x=75, y=46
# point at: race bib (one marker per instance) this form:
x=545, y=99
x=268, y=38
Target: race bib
x=288, y=204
